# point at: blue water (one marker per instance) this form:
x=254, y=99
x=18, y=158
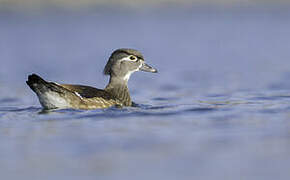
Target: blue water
x=219, y=108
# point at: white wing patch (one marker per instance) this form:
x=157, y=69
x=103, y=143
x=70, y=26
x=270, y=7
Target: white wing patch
x=76, y=93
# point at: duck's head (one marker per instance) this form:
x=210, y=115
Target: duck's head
x=123, y=62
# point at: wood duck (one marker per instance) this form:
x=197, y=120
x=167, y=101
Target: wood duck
x=121, y=64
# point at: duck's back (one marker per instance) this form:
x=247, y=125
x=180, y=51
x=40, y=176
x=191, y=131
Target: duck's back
x=92, y=97
x=86, y=91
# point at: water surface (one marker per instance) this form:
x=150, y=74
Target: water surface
x=219, y=108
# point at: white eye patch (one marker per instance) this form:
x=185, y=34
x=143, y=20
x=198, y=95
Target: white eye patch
x=130, y=58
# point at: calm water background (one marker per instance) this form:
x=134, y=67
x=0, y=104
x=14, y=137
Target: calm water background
x=218, y=109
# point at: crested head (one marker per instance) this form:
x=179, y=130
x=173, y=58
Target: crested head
x=128, y=51
x=118, y=55
x=123, y=62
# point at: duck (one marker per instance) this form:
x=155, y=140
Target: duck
x=120, y=66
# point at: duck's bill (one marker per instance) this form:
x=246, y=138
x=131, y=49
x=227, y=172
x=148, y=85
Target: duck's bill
x=145, y=67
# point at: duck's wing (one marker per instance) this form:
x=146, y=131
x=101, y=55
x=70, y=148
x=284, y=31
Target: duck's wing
x=86, y=91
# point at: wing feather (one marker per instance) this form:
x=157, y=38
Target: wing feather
x=87, y=91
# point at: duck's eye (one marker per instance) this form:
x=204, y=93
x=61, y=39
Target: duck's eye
x=133, y=58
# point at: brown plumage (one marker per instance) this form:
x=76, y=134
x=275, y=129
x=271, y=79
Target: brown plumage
x=121, y=64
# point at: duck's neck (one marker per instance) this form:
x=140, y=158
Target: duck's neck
x=118, y=88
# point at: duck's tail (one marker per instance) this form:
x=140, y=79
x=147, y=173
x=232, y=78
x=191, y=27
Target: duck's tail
x=37, y=84
x=50, y=95
x=34, y=81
